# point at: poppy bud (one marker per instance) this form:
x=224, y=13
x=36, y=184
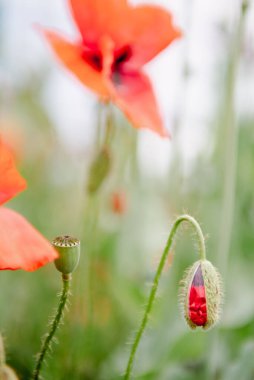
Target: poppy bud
x=99, y=170
x=6, y=373
x=201, y=295
x=69, y=253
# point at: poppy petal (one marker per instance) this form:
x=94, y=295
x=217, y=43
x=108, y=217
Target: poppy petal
x=11, y=182
x=152, y=31
x=71, y=56
x=133, y=93
x=21, y=245
x=97, y=18
x=146, y=29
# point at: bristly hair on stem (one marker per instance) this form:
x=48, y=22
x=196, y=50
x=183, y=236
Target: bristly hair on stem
x=56, y=321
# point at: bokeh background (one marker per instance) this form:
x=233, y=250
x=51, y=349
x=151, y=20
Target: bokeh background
x=205, y=88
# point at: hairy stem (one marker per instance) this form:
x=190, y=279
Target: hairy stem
x=202, y=254
x=53, y=326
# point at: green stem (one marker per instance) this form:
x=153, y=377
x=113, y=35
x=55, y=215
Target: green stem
x=230, y=156
x=93, y=209
x=53, y=326
x=109, y=125
x=202, y=254
x=91, y=242
x=230, y=147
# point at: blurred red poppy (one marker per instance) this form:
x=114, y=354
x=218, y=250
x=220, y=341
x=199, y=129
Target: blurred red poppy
x=119, y=202
x=117, y=39
x=21, y=245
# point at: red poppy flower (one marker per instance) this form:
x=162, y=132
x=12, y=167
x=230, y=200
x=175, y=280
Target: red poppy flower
x=21, y=245
x=117, y=39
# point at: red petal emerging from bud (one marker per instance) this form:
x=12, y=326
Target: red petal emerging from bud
x=201, y=295
x=197, y=299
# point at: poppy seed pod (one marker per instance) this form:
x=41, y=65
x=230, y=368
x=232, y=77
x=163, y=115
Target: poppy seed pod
x=201, y=295
x=69, y=253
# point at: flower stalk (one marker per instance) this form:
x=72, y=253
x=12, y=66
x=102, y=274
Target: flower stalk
x=54, y=326
x=68, y=249
x=151, y=299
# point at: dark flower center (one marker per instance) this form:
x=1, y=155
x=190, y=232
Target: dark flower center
x=95, y=59
x=121, y=56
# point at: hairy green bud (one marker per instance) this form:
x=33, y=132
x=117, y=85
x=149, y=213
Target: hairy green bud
x=201, y=295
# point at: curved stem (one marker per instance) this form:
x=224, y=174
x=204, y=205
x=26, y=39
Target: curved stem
x=53, y=326
x=202, y=254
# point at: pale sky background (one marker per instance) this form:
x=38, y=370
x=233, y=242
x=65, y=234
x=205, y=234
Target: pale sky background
x=207, y=26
